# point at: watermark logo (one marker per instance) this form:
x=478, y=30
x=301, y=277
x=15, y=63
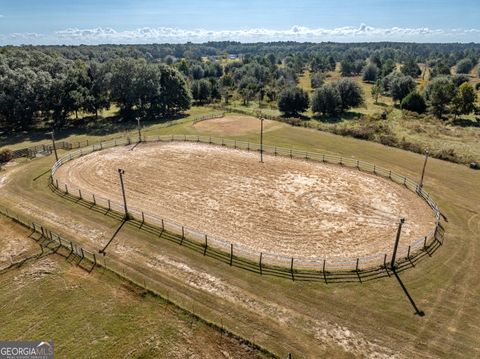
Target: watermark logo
x=26, y=350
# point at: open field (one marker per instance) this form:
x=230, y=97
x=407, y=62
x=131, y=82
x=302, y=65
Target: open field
x=283, y=206
x=52, y=299
x=308, y=319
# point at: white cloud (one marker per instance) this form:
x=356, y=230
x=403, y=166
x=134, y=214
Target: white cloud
x=296, y=33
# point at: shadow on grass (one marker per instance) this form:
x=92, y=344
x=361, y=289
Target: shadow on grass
x=85, y=126
x=345, y=116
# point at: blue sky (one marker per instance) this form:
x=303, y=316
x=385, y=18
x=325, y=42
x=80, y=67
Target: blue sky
x=121, y=21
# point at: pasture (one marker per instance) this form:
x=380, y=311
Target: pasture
x=307, y=319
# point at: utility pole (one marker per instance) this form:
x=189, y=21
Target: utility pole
x=397, y=240
x=54, y=147
x=121, y=173
x=423, y=170
x=139, y=130
x=261, y=139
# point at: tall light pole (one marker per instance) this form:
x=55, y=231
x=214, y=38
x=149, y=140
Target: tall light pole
x=54, y=146
x=139, y=130
x=397, y=240
x=261, y=139
x=423, y=170
x=121, y=173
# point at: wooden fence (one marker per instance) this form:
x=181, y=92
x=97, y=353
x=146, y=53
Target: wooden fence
x=235, y=250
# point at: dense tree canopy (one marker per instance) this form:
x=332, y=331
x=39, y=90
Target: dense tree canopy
x=292, y=101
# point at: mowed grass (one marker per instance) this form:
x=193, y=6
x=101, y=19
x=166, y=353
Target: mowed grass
x=99, y=315
x=286, y=316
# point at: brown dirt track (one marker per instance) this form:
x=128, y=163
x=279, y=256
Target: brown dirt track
x=290, y=207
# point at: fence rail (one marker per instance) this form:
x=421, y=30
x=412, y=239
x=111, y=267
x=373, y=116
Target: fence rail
x=241, y=251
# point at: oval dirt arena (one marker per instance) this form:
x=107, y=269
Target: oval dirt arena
x=285, y=206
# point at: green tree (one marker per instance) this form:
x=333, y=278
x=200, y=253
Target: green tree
x=463, y=102
x=201, y=90
x=350, y=92
x=292, y=101
x=439, y=93
x=401, y=86
x=410, y=68
x=327, y=100
x=464, y=66
x=414, y=102
x=376, y=90
x=370, y=72
x=317, y=79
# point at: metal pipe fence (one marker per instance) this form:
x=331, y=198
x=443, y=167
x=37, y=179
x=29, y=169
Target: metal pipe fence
x=235, y=250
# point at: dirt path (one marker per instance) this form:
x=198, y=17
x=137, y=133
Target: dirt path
x=284, y=206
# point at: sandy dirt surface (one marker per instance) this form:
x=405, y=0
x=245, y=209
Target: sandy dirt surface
x=14, y=242
x=235, y=124
x=290, y=207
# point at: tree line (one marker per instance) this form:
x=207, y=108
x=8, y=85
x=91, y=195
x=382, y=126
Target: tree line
x=51, y=85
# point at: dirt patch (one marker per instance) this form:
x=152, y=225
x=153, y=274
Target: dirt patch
x=290, y=207
x=235, y=124
x=14, y=242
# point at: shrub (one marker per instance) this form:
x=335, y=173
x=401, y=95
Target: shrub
x=350, y=92
x=293, y=100
x=6, y=155
x=414, y=102
x=327, y=100
x=464, y=66
x=370, y=72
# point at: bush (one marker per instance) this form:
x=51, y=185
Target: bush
x=414, y=102
x=326, y=100
x=464, y=66
x=293, y=100
x=370, y=72
x=6, y=155
x=459, y=79
x=350, y=92
x=477, y=86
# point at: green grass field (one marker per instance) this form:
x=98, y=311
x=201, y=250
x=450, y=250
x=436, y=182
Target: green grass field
x=308, y=319
x=99, y=315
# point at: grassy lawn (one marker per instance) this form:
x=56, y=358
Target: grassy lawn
x=308, y=319
x=51, y=299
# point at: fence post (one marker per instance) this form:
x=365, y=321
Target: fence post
x=143, y=218
x=94, y=260
x=260, y=263
x=56, y=181
x=94, y=200
x=306, y=155
x=248, y=146
x=291, y=269
x=356, y=268
x=66, y=188
x=80, y=193
x=109, y=207
x=183, y=236
x=358, y=164
x=206, y=245
x=235, y=144
x=83, y=255
x=425, y=243
x=231, y=253
x=291, y=154
x=374, y=169
x=385, y=261
x=408, y=253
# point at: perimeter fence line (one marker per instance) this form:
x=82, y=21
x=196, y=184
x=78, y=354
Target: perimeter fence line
x=376, y=260
x=47, y=148
x=52, y=243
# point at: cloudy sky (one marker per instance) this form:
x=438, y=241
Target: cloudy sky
x=147, y=21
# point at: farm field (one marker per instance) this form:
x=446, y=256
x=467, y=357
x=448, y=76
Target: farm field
x=307, y=319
